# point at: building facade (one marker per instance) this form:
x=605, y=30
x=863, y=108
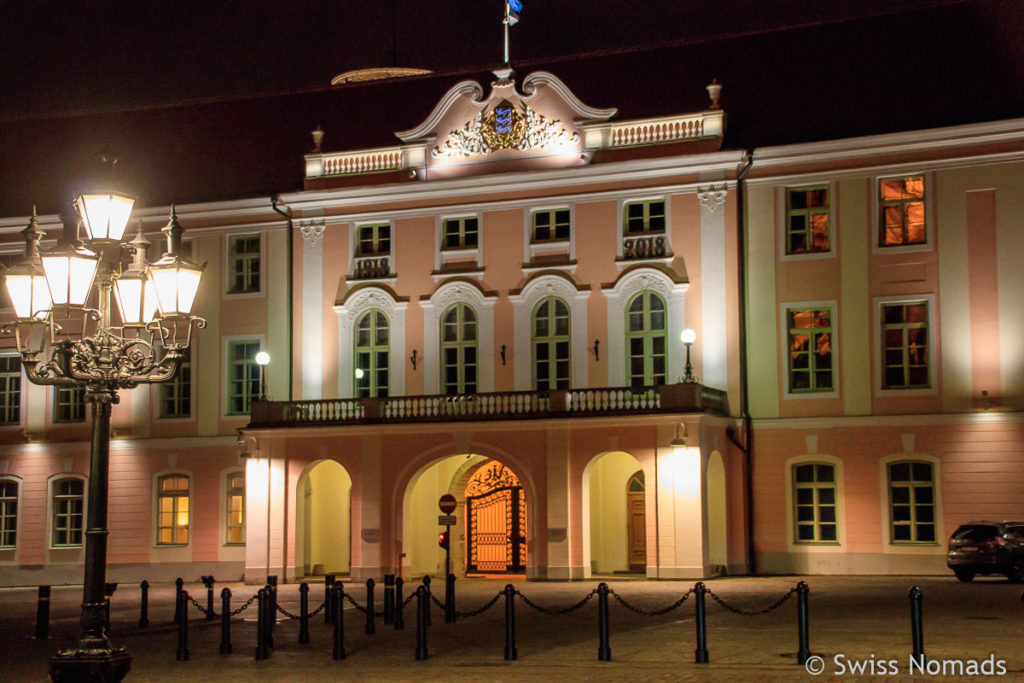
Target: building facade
x=494, y=309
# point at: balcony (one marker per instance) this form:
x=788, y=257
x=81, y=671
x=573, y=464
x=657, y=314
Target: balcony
x=510, y=405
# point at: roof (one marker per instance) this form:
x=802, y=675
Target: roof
x=930, y=67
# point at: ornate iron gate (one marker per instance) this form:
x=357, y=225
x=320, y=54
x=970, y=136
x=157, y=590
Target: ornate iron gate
x=496, y=514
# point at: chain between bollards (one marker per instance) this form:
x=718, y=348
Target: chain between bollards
x=339, y=625
x=604, y=650
x=701, y=653
x=225, y=621
x=916, y=628
x=182, y=653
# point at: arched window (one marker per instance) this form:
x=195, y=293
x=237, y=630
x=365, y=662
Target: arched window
x=8, y=513
x=551, y=344
x=68, y=509
x=458, y=350
x=372, y=348
x=645, y=339
x=172, y=505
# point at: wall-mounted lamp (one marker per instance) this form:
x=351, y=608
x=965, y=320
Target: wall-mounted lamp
x=412, y=358
x=680, y=440
x=688, y=336
x=262, y=359
x=503, y=354
x=597, y=350
x=249, y=446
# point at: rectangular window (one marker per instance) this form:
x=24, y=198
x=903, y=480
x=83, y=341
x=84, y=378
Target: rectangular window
x=373, y=240
x=551, y=225
x=901, y=211
x=460, y=233
x=807, y=220
x=644, y=218
x=911, y=502
x=810, y=350
x=68, y=404
x=8, y=513
x=10, y=390
x=243, y=376
x=905, y=345
x=172, y=510
x=68, y=512
x=176, y=395
x=814, y=488
x=235, y=532
x=244, y=263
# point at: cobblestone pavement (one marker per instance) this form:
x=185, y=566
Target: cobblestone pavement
x=854, y=621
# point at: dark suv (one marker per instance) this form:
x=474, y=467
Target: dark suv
x=987, y=548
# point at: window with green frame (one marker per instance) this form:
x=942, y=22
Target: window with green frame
x=551, y=344
x=644, y=217
x=176, y=395
x=244, y=263
x=810, y=349
x=8, y=513
x=172, y=500
x=807, y=211
x=10, y=390
x=901, y=209
x=911, y=502
x=68, y=404
x=373, y=240
x=372, y=354
x=459, y=350
x=235, y=513
x=814, y=499
x=646, y=326
x=243, y=375
x=68, y=509
x=551, y=225
x=460, y=233
x=905, y=345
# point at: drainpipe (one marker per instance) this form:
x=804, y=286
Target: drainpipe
x=748, y=426
x=287, y=214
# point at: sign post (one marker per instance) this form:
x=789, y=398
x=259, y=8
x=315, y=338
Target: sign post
x=447, y=504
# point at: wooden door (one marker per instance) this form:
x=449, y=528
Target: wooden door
x=636, y=522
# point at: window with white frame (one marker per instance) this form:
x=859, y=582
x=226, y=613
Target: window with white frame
x=67, y=505
x=372, y=354
x=459, y=349
x=551, y=344
x=460, y=233
x=8, y=513
x=551, y=225
x=68, y=404
x=912, y=516
x=244, y=263
x=10, y=390
x=643, y=229
x=901, y=207
x=646, y=339
x=243, y=375
x=807, y=220
x=176, y=395
x=814, y=503
x=905, y=352
x=172, y=509
x=810, y=348
x=234, y=532
x=372, y=251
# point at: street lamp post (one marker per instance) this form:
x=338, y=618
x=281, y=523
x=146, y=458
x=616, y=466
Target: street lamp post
x=262, y=359
x=688, y=336
x=64, y=342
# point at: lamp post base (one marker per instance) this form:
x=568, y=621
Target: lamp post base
x=90, y=661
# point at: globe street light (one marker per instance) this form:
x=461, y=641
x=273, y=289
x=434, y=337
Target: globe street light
x=64, y=342
x=262, y=358
x=688, y=336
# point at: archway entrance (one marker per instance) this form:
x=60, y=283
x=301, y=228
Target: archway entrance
x=496, y=521
x=614, y=515
x=324, y=520
x=636, y=524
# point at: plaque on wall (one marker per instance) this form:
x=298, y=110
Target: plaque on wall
x=556, y=535
x=371, y=535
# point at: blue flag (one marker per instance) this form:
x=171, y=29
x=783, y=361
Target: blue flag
x=512, y=10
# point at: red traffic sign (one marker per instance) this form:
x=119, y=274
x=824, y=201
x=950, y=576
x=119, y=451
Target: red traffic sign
x=447, y=503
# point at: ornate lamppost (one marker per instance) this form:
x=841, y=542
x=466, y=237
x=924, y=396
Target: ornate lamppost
x=64, y=341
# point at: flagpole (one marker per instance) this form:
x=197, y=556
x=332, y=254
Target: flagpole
x=505, y=22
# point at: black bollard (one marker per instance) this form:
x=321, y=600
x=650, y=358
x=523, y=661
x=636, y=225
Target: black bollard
x=399, y=607
x=43, y=614
x=328, y=603
x=915, y=624
x=208, y=582
x=262, y=651
x=271, y=609
x=144, y=604
x=371, y=625
x=449, y=599
x=304, y=612
x=182, y=654
x=604, y=650
x=422, y=612
x=801, y=616
x=225, y=621
x=337, y=592
x=701, y=654
x=178, y=583
x=108, y=592
x=389, y=599
x=426, y=587
x=510, y=623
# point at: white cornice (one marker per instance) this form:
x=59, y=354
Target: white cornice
x=552, y=81
x=62, y=447
x=889, y=420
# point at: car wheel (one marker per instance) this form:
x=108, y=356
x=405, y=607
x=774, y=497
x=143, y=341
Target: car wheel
x=965, y=574
x=1016, y=574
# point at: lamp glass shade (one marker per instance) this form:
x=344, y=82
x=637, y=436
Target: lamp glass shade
x=688, y=336
x=136, y=299
x=70, y=274
x=29, y=294
x=105, y=216
x=176, y=285
x=262, y=358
